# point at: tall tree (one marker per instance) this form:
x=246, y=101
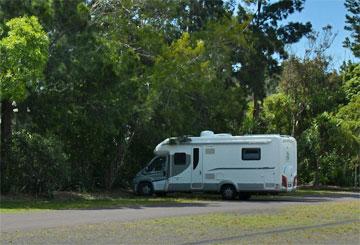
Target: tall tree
x=311, y=89
x=24, y=52
x=193, y=15
x=353, y=26
x=268, y=36
x=42, y=9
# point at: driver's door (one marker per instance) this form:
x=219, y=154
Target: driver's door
x=156, y=170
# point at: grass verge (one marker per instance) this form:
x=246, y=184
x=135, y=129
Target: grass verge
x=16, y=204
x=216, y=228
x=83, y=201
x=284, y=217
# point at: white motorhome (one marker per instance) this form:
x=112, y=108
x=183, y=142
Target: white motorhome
x=231, y=165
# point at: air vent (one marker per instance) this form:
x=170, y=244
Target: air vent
x=210, y=151
x=209, y=176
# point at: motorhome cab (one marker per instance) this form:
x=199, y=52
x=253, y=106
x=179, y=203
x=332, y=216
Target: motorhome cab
x=230, y=165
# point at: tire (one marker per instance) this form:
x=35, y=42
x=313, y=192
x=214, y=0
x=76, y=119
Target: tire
x=228, y=192
x=145, y=189
x=244, y=196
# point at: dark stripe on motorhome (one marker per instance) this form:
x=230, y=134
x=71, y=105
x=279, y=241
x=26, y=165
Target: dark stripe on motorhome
x=241, y=168
x=223, y=143
x=159, y=180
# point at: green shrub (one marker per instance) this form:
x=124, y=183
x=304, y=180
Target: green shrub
x=326, y=151
x=37, y=164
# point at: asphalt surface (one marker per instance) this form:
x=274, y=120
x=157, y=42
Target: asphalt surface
x=60, y=218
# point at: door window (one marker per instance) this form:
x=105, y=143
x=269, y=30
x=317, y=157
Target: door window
x=195, y=157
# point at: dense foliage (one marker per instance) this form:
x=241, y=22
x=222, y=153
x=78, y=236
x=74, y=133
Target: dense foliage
x=88, y=88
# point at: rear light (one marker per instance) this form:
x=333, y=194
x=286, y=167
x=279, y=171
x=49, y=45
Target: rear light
x=284, y=181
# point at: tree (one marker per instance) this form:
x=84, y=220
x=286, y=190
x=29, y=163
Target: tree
x=278, y=113
x=180, y=81
x=311, y=88
x=193, y=15
x=24, y=52
x=351, y=80
x=97, y=70
x=268, y=37
x=353, y=26
x=349, y=117
x=42, y=9
x=327, y=150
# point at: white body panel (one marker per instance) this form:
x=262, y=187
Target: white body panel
x=220, y=161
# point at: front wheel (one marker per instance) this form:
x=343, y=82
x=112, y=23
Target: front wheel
x=145, y=189
x=228, y=192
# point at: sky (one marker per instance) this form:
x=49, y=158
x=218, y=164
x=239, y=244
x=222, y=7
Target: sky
x=321, y=13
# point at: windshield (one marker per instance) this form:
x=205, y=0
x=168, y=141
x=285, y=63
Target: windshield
x=157, y=164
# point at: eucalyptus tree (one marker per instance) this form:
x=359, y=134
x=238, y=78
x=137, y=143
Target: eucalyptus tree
x=267, y=34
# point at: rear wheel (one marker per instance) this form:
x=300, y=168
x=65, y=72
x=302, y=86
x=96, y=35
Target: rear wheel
x=145, y=189
x=228, y=192
x=244, y=196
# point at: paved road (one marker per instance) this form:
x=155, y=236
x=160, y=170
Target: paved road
x=56, y=218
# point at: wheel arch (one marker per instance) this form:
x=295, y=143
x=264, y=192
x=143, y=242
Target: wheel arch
x=227, y=182
x=148, y=181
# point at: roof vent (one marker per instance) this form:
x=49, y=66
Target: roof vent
x=206, y=133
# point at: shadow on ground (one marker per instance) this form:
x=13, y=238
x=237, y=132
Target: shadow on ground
x=181, y=200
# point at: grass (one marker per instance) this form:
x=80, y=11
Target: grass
x=220, y=225
x=288, y=216
x=339, y=234
x=309, y=192
x=93, y=201
x=184, y=229
x=83, y=201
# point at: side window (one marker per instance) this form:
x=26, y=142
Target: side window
x=180, y=158
x=195, y=157
x=251, y=154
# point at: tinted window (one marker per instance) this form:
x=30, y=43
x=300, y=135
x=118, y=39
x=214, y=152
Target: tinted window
x=195, y=157
x=251, y=154
x=158, y=164
x=179, y=158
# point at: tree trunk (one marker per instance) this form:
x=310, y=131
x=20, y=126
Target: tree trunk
x=6, y=118
x=316, y=175
x=256, y=108
x=256, y=113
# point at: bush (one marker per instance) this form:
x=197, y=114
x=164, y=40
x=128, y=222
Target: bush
x=37, y=164
x=326, y=151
